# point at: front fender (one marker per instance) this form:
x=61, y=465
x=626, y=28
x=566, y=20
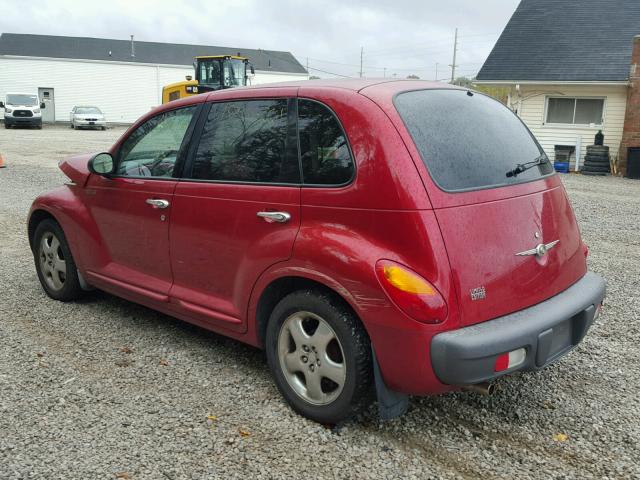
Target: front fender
x=65, y=205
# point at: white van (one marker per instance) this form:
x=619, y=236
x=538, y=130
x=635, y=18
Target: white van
x=22, y=109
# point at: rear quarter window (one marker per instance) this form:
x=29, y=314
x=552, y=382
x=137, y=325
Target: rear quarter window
x=324, y=152
x=469, y=141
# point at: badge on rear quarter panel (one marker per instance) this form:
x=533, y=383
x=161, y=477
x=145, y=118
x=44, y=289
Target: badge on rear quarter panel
x=478, y=293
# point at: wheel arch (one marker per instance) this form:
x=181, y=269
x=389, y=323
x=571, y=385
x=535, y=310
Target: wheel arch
x=37, y=217
x=280, y=287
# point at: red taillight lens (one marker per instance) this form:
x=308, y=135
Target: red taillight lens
x=585, y=249
x=414, y=295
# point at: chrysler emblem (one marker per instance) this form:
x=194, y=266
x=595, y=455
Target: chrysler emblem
x=539, y=250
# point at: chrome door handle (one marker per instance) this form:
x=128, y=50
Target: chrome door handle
x=157, y=203
x=271, y=217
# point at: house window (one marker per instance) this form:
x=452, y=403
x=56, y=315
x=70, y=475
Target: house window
x=577, y=111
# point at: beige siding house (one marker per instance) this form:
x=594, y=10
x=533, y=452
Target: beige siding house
x=602, y=107
x=565, y=81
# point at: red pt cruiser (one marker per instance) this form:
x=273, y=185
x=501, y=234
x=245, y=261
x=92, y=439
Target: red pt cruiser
x=399, y=234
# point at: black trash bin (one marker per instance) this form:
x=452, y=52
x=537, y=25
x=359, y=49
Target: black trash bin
x=633, y=163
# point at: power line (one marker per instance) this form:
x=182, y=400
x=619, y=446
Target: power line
x=330, y=73
x=437, y=41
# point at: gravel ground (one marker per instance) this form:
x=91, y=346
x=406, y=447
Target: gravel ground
x=104, y=388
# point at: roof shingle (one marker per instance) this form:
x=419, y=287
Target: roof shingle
x=145, y=52
x=565, y=40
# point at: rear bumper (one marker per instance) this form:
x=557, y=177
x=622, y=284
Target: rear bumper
x=546, y=331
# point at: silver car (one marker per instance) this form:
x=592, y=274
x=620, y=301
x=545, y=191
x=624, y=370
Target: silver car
x=87, y=117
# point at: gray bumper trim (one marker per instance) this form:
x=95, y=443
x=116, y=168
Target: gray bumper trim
x=468, y=355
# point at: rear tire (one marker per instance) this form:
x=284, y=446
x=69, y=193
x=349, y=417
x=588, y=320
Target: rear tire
x=320, y=356
x=56, y=268
x=6, y=125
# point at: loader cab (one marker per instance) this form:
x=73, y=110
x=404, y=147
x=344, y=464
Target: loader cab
x=216, y=72
x=219, y=72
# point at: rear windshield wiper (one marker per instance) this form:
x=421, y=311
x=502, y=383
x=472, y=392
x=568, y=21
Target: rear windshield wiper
x=523, y=167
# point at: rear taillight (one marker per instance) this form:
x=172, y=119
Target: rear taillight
x=414, y=295
x=585, y=249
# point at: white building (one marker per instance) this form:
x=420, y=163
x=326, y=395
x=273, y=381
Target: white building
x=123, y=78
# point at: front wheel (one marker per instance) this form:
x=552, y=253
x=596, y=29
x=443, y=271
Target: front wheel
x=56, y=268
x=320, y=356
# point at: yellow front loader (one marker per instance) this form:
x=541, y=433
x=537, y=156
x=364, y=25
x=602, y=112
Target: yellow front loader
x=213, y=72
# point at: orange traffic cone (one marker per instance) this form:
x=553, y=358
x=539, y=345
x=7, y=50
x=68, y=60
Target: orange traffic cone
x=2, y=165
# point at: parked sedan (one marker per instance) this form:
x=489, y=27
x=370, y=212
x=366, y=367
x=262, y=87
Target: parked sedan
x=405, y=235
x=87, y=117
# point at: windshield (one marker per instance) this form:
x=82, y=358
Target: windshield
x=88, y=110
x=234, y=73
x=469, y=141
x=19, y=99
x=209, y=73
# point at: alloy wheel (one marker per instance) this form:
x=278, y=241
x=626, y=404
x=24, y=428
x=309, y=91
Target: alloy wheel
x=52, y=262
x=311, y=358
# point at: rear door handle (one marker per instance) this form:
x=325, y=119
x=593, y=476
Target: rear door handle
x=271, y=217
x=157, y=203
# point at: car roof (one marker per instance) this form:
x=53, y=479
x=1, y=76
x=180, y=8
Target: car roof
x=379, y=88
x=355, y=84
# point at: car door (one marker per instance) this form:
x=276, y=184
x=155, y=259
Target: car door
x=237, y=212
x=132, y=208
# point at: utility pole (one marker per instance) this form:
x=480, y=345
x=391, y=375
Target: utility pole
x=437, y=71
x=384, y=73
x=361, y=55
x=455, y=50
x=307, y=68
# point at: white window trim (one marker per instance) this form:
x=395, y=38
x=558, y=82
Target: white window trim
x=596, y=126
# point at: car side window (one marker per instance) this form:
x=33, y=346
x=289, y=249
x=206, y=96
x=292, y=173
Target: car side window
x=152, y=149
x=324, y=152
x=247, y=141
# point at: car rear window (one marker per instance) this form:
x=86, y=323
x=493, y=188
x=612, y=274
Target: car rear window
x=469, y=141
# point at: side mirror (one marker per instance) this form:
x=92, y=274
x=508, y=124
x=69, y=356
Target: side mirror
x=1, y=104
x=102, y=164
x=42, y=105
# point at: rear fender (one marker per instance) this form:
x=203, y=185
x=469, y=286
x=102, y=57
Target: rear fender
x=340, y=259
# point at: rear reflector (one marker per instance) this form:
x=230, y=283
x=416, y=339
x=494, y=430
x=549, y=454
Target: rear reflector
x=510, y=359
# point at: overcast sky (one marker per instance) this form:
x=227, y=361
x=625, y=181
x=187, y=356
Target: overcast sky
x=404, y=36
